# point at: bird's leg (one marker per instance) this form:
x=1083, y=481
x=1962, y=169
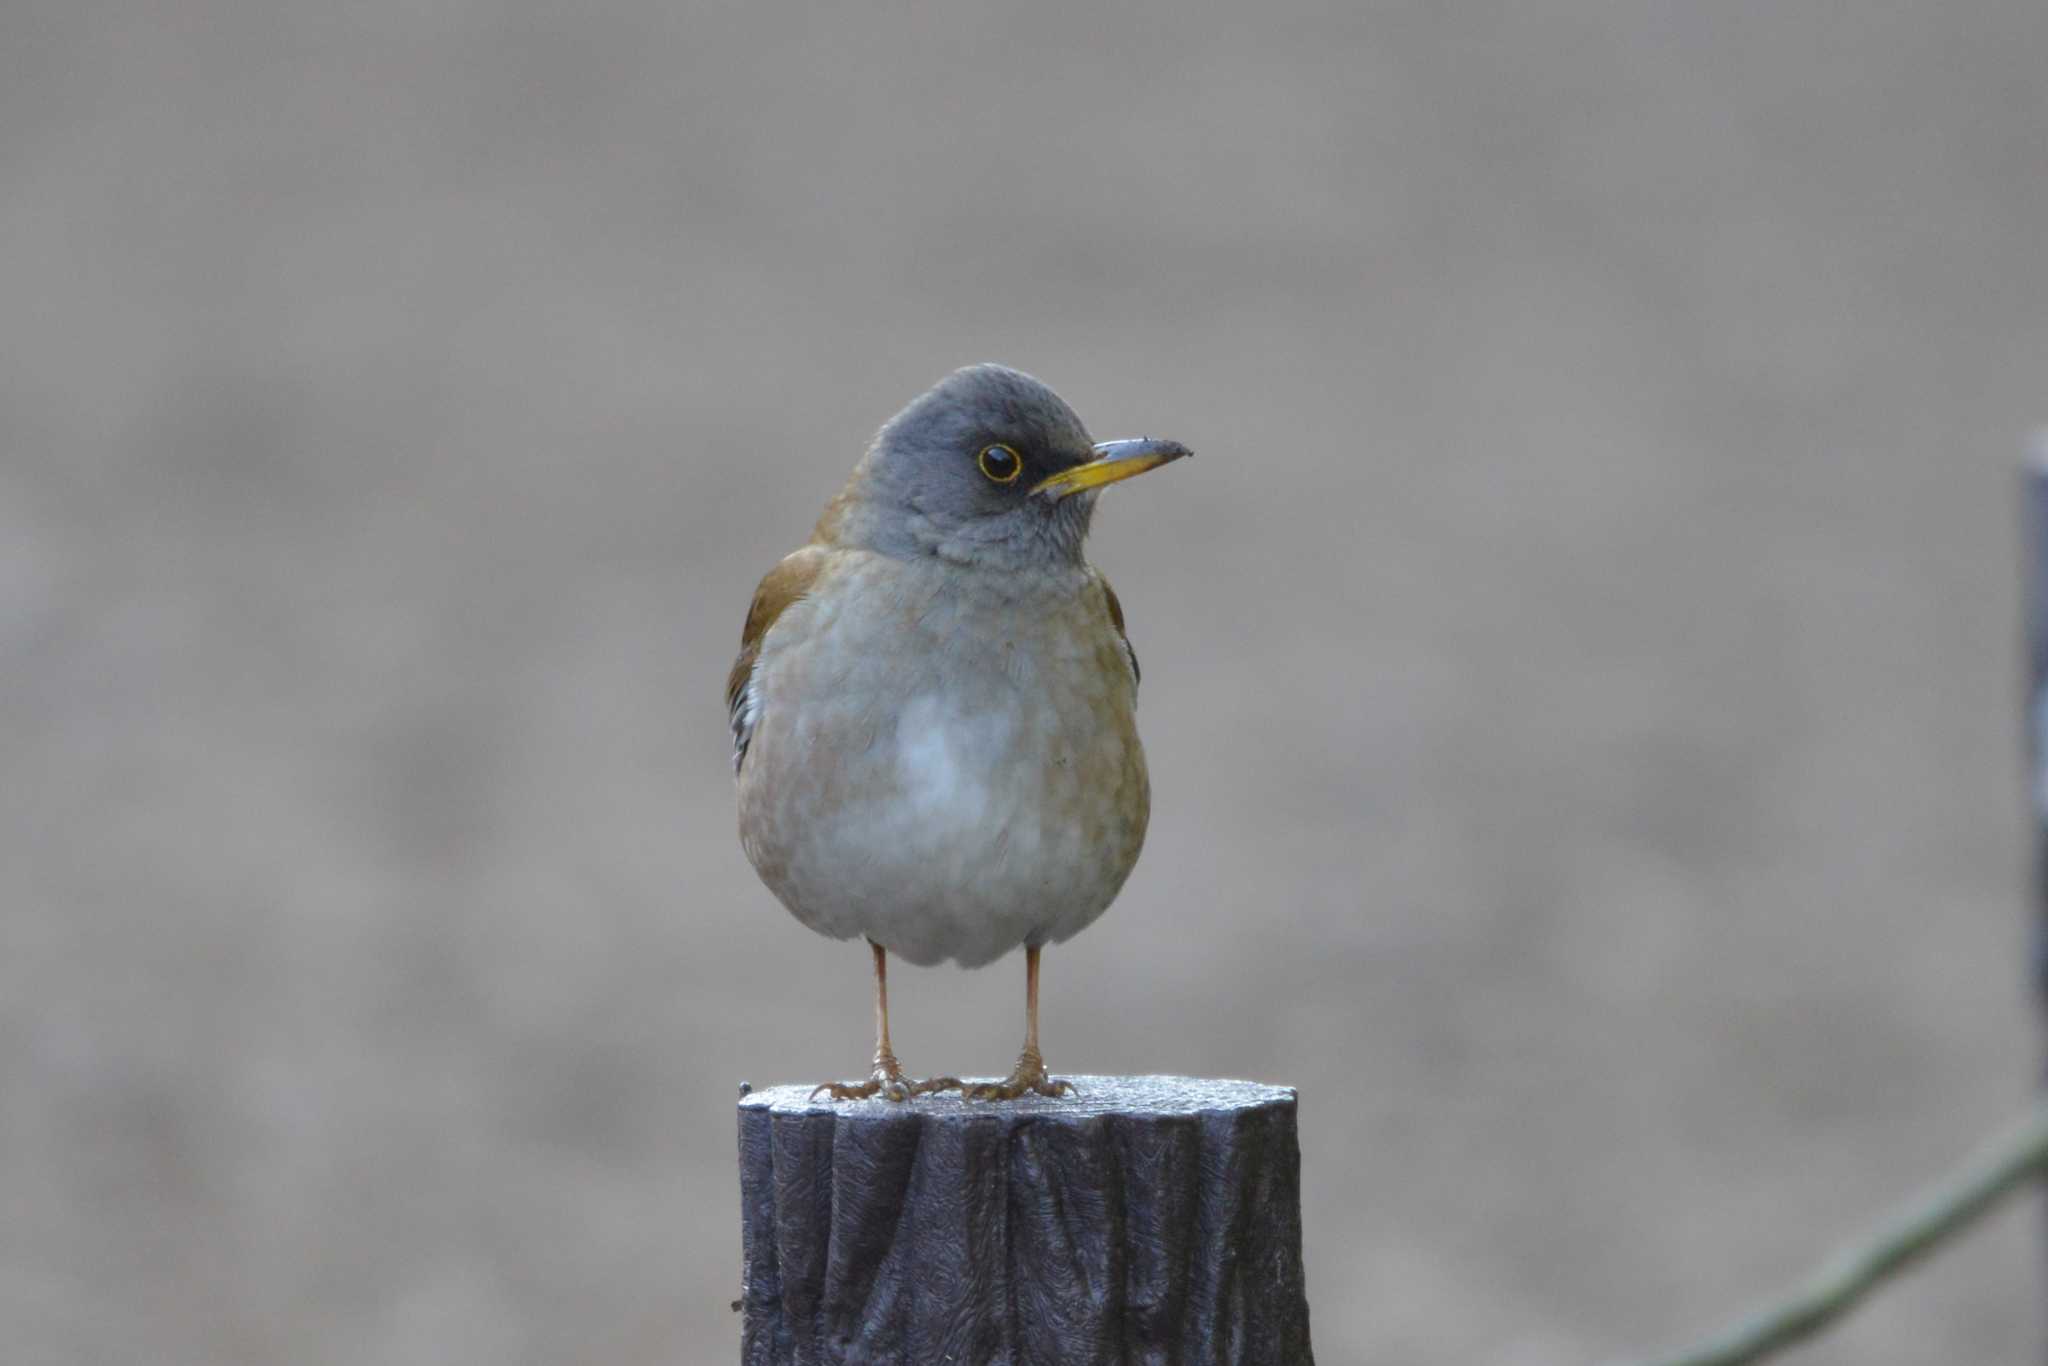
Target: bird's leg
x=886, y=1079
x=1029, y=1077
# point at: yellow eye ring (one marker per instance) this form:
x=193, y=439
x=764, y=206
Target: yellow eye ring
x=999, y=464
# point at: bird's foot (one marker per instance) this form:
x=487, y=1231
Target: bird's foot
x=887, y=1081
x=1028, y=1078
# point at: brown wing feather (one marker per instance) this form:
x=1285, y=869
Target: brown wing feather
x=784, y=584
x=1116, y=615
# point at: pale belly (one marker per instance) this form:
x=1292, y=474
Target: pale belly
x=954, y=798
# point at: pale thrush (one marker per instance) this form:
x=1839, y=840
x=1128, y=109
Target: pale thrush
x=932, y=709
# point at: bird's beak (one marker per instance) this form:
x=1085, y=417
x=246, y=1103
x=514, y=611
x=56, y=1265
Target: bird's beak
x=1113, y=460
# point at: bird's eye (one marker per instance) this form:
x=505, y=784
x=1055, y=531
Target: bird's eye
x=1000, y=464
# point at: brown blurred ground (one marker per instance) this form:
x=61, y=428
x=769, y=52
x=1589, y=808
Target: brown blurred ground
x=1580, y=668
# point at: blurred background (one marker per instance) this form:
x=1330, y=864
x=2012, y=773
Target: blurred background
x=1582, y=671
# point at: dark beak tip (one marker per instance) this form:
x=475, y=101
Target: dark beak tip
x=1160, y=448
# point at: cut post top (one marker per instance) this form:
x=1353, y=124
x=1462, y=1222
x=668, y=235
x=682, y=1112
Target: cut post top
x=1092, y=1096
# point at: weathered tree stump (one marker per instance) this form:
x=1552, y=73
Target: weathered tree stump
x=1145, y=1219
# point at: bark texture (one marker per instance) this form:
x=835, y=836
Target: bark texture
x=1146, y=1220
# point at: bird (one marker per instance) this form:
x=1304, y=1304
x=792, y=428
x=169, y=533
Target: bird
x=933, y=708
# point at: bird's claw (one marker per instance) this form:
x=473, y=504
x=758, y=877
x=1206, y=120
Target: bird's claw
x=884, y=1087
x=1029, y=1078
x=886, y=1081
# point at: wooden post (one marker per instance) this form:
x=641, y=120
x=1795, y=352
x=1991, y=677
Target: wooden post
x=1144, y=1219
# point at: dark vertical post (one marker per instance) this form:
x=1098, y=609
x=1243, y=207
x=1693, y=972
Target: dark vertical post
x=1144, y=1219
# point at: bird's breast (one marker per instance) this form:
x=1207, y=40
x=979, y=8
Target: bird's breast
x=958, y=774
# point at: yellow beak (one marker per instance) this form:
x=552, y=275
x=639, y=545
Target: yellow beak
x=1114, y=460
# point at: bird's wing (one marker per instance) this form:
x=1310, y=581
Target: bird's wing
x=784, y=584
x=1116, y=616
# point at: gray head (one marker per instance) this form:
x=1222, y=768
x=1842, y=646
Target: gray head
x=988, y=466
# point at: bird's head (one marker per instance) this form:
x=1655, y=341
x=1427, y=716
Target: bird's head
x=988, y=466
